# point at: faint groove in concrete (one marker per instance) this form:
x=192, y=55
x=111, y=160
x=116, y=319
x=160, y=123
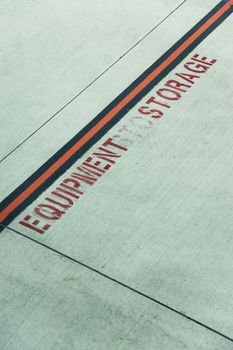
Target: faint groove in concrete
x=124, y=285
x=91, y=83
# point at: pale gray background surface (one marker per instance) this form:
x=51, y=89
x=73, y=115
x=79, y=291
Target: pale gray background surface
x=160, y=221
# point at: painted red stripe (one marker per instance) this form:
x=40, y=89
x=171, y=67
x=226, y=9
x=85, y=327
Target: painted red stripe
x=110, y=115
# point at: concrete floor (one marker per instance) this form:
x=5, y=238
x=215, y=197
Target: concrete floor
x=142, y=257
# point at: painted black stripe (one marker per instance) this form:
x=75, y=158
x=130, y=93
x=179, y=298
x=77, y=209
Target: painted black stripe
x=115, y=120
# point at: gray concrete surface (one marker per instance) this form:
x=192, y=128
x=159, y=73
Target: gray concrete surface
x=52, y=51
x=48, y=302
x=73, y=118
x=159, y=221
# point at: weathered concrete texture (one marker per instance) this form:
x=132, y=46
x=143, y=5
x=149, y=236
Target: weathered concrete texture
x=48, y=302
x=51, y=51
x=161, y=219
x=49, y=139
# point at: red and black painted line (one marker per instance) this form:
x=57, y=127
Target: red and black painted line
x=38, y=182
